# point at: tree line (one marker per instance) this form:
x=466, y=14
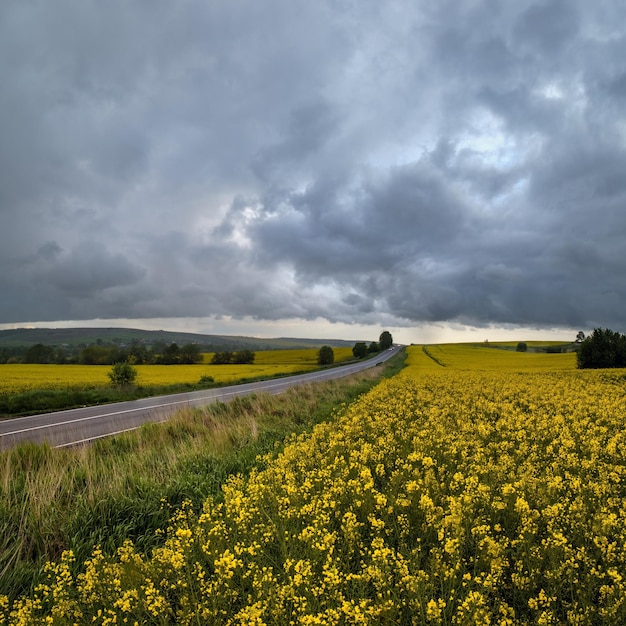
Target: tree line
x=98, y=354
x=603, y=348
x=161, y=353
x=242, y=357
x=361, y=349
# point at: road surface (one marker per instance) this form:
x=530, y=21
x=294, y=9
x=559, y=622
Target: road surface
x=77, y=426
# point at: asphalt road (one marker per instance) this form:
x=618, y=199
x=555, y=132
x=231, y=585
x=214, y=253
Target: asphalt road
x=77, y=426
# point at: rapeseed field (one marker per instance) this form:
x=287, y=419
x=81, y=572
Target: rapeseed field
x=471, y=488
x=18, y=378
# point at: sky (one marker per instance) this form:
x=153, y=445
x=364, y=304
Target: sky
x=334, y=168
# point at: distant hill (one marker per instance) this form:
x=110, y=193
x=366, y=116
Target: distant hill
x=125, y=336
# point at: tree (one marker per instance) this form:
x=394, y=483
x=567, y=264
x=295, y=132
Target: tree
x=244, y=357
x=554, y=349
x=158, y=348
x=171, y=355
x=385, y=340
x=580, y=336
x=138, y=354
x=122, y=374
x=522, y=347
x=360, y=349
x=325, y=356
x=95, y=355
x=374, y=347
x=222, y=358
x=603, y=348
x=39, y=353
x=190, y=354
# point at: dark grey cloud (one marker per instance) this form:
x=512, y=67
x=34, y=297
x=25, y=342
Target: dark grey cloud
x=89, y=269
x=408, y=162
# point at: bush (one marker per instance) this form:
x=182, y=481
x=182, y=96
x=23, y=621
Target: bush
x=122, y=374
x=603, y=348
x=521, y=347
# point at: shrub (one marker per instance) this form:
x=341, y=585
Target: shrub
x=122, y=374
x=521, y=347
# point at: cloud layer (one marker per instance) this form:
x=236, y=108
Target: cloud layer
x=357, y=162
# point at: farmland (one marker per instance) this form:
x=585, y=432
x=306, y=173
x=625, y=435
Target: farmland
x=28, y=388
x=20, y=377
x=478, y=357
x=474, y=487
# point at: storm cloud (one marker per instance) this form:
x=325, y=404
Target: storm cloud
x=405, y=162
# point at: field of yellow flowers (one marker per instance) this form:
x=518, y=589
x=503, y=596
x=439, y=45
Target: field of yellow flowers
x=17, y=378
x=483, y=487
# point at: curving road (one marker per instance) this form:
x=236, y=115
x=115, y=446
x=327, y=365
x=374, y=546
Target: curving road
x=77, y=426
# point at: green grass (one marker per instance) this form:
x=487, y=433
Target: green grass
x=45, y=400
x=125, y=487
